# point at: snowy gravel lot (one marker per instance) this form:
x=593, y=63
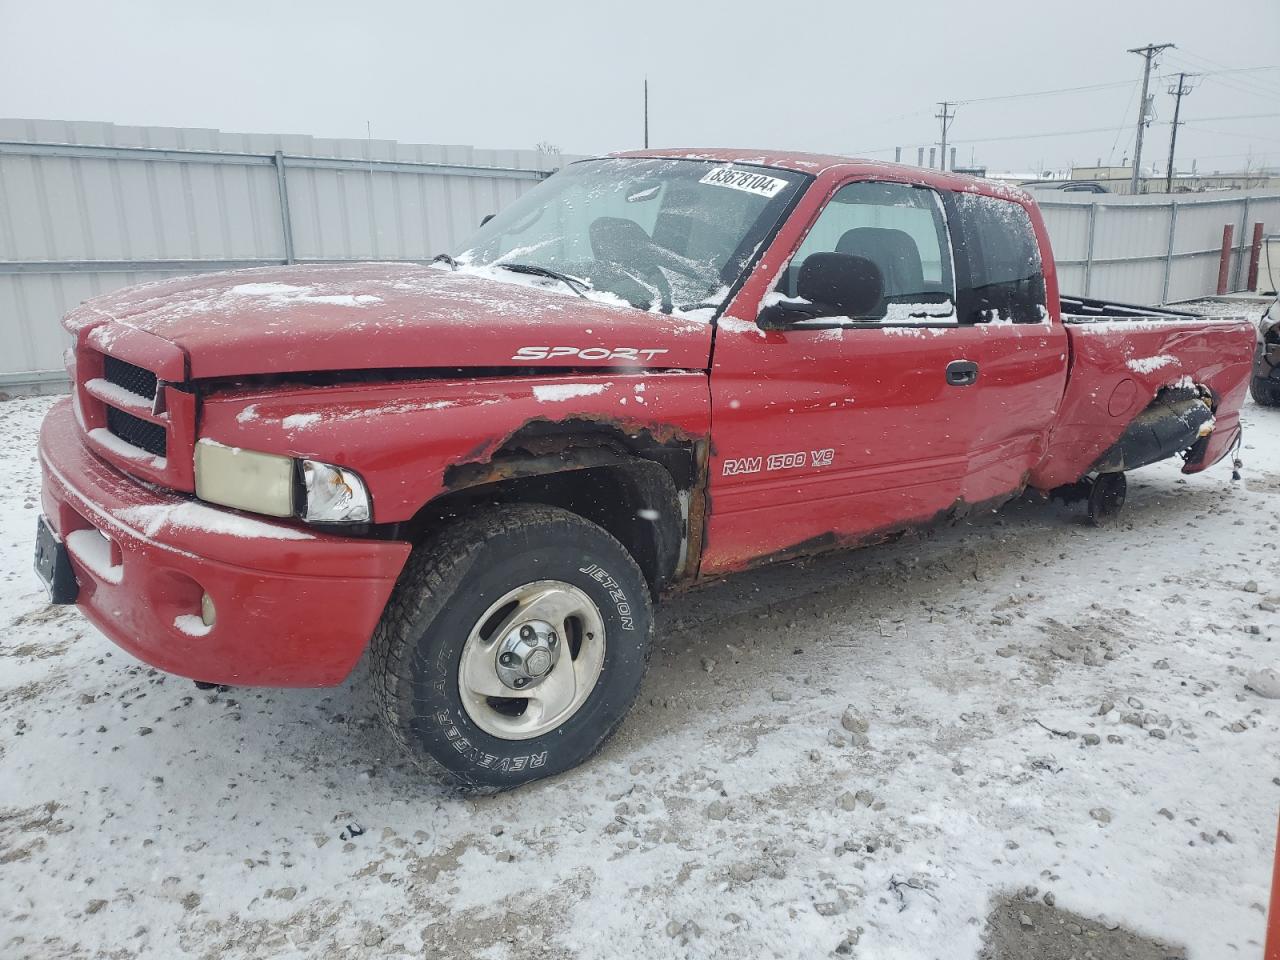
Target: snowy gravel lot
x=860, y=755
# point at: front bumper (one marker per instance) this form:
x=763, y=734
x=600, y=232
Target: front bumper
x=295, y=606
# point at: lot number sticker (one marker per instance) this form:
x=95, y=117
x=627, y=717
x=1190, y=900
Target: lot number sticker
x=745, y=180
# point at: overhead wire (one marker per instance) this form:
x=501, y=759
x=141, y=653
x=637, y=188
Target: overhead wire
x=1229, y=78
x=1238, y=83
x=1220, y=69
x=1128, y=103
x=1044, y=93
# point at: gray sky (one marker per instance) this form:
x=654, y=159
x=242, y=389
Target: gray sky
x=842, y=77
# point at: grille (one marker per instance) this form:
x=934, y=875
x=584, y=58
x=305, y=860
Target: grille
x=150, y=437
x=132, y=378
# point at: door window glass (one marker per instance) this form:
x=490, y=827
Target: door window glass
x=902, y=231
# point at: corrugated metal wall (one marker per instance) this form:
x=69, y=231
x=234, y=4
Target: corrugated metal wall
x=1152, y=248
x=89, y=207
x=86, y=208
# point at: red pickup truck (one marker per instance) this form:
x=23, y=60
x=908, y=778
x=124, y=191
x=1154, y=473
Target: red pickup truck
x=650, y=370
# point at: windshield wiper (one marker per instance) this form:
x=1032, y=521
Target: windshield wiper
x=445, y=258
x=576, y=284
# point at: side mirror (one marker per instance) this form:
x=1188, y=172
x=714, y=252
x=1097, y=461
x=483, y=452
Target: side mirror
x=850, y=286
x=486, y=218
x=829, y=285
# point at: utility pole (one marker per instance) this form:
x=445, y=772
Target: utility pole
x=1148, y=54
x=1179, y=91
x=945, y=117
x=646, y=113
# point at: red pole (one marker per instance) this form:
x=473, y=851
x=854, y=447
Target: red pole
x=1255, y=255
x=1224, y=265
x=1272, y=950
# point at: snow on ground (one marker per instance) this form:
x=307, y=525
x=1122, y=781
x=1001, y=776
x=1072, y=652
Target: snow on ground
x=861, y=753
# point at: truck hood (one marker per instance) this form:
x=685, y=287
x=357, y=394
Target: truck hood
x=370, y=316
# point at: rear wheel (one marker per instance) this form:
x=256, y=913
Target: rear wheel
x=1106, y=498
x=513, y=645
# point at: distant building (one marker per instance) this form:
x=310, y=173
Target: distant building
x=1118, y=180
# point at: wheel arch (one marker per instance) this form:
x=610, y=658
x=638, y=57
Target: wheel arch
x=645, y=488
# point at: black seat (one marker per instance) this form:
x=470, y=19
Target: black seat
x=893, y=251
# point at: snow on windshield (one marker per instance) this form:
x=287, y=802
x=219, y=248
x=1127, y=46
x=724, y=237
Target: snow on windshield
x=668, y=235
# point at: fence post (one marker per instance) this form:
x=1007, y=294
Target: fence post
x=1255, y=256
x=1244, y=225
x=1088, y=255
x=282, y=193
x=1168, y=259
x=1224, y=262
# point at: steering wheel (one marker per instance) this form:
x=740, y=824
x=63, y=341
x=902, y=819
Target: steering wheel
x=618, y=278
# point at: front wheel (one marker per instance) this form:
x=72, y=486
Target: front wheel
x=513, y=645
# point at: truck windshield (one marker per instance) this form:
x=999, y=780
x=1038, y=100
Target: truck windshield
x=657, y=234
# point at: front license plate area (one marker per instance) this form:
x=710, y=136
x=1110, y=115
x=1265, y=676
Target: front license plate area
x=53, y=565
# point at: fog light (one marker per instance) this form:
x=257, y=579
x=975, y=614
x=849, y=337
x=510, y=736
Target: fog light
x=207, y=612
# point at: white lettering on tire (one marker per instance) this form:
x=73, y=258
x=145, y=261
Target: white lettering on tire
x=619, y=598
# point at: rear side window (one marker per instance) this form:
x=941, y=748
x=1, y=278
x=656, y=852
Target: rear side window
x=999, y=277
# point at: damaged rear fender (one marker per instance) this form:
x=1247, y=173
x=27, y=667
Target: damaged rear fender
x=1179, y=419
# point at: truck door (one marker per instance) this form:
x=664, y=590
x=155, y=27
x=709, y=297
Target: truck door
x=846, y=429
x=1022, y=348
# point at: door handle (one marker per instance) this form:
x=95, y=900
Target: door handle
x=962, y=373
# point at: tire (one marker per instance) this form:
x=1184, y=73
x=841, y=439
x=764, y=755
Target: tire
x=1265, y=393
x=1106, y=498
x=444, y=606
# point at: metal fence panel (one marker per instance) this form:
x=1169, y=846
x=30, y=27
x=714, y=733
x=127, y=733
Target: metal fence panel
x=1152, y=248
x=86, y=208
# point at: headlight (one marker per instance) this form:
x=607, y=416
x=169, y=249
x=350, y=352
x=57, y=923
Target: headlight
x=244, y=479
x=334, y=494
x=269, y=484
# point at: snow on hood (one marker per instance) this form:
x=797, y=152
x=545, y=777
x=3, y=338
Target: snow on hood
x=391, y=315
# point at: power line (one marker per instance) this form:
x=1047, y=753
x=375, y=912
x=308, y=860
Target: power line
x=1235, y=116
x=1237, y=134
x=1000, y=139
x=1043, y=93
x=1114, y=143
x=1226, y=156
x=1107, y=86
x=1224, y=69
x=1230, y=77
x=1148, y=54
x=1270, y=95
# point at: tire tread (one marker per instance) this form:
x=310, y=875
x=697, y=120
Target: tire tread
x=434, y=572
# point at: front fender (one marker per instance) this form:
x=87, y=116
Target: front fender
x=410, y=440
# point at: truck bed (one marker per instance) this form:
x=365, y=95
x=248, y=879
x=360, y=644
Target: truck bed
x=1121, y=356
x=1086, y=310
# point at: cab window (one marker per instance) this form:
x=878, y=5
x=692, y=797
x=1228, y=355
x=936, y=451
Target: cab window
x=999, y=273
x=901, y=230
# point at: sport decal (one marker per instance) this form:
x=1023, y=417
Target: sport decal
x=635, y=354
